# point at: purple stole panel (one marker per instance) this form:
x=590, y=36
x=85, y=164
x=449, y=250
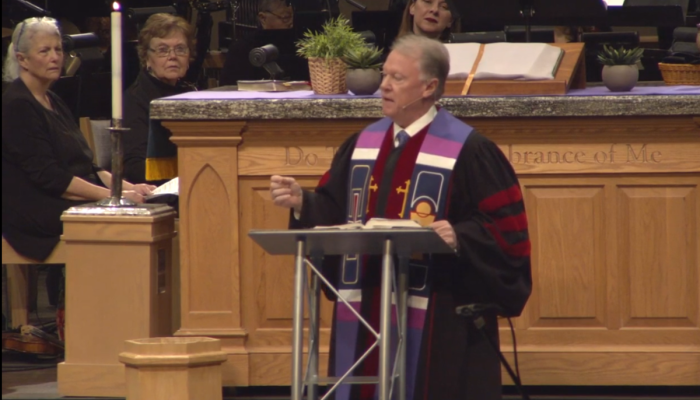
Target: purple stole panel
x=424, y=200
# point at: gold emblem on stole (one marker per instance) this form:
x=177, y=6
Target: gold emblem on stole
x=423, y=213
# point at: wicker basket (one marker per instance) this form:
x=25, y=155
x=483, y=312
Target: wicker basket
x=328, y=75
x=680, y=74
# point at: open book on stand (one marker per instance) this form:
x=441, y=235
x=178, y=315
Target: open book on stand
x=514, y=68
x=375, y=223
x=513, y=61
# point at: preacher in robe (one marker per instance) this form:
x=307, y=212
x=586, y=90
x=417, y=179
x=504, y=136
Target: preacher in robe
x=422, y=163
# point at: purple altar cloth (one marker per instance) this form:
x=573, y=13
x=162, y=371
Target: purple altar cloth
x=640, y=90
x=309, y=95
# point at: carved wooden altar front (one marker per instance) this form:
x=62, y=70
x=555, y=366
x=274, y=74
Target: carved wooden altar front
x=613, y=205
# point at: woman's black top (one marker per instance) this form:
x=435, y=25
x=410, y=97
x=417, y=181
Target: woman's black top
x=42, y=150
x=137, y=100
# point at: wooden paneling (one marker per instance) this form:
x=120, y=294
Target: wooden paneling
x=658, y=255
x=131, y=256
x=208, y=187
x=292, y=147
x=568, y=251
x=210, y=284
x=268, y=288
x=612, y=253
x=613, y=207
x=533, y=146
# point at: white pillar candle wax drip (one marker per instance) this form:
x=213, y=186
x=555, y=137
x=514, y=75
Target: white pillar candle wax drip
x=116, y=34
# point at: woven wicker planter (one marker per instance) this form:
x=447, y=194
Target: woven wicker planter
x=328, y=75
x=680, y=74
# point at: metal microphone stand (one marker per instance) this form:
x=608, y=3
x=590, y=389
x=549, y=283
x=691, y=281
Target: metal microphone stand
x=474, y=312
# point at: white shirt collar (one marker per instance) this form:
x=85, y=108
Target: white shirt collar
x=417, y=125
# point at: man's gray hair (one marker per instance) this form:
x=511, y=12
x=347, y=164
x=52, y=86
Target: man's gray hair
x=432, y=56
x=22, y=42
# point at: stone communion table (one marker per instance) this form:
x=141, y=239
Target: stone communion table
x=611, y=185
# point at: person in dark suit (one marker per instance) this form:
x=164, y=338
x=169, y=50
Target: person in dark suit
x=275, y=23
x=165, y=49
x=47, y=165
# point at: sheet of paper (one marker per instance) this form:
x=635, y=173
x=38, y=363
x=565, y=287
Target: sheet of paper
x=170, y=187
x=353, y=225
x=462, y=58
x=383, y=223
x=374, y=223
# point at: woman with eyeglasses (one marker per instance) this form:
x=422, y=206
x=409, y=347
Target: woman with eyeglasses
x=165, y=48
x=47, y=165
x=430, y=18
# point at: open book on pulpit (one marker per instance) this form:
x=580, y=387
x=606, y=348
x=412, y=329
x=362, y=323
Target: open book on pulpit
x=375, y=223
x=272, y=86
x=514, y=68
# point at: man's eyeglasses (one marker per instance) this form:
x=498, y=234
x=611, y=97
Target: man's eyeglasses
x=163, y=52
x=286, y=18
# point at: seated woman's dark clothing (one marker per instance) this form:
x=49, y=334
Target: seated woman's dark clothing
x=237, y=66
x=42, y=150
x=137, y=100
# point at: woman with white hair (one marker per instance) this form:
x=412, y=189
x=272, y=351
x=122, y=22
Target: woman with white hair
x=47, y=165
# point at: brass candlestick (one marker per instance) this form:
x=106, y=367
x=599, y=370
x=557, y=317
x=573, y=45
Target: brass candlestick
x=116, y=199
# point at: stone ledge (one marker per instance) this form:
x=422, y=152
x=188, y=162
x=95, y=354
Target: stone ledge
x=464, y=107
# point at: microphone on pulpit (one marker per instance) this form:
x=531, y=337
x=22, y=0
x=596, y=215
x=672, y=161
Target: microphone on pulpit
x=266, y=57
x=475, y=312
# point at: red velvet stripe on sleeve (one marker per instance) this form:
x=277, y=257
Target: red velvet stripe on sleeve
x=324, y=179
x=519, y=249
x=501, y=199
x=512, y=223
x=495, y=206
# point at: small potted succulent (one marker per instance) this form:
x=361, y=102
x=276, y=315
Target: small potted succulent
x=363, y=75
x=620, y=71
x=324, y=51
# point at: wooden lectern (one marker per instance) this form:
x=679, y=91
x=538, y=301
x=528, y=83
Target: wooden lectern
x=401, y=242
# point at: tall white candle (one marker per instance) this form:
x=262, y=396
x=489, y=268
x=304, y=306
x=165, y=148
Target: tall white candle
x=116, y=62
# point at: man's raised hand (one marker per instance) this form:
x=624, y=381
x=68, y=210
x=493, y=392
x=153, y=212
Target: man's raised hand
x=286, y=192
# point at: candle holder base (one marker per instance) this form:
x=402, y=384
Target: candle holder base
x=115, y=202
x=141, y=210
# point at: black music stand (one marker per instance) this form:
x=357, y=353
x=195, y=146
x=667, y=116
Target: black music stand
x=647, y=15
x=665, y=15
x=384, y=24
x=316, y=243
x=530, y=13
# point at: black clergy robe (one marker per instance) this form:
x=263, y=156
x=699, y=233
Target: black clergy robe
x=492, y=266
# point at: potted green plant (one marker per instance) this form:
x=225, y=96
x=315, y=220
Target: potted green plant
x=324, y=51
x=363, y=75
x=620, y=71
